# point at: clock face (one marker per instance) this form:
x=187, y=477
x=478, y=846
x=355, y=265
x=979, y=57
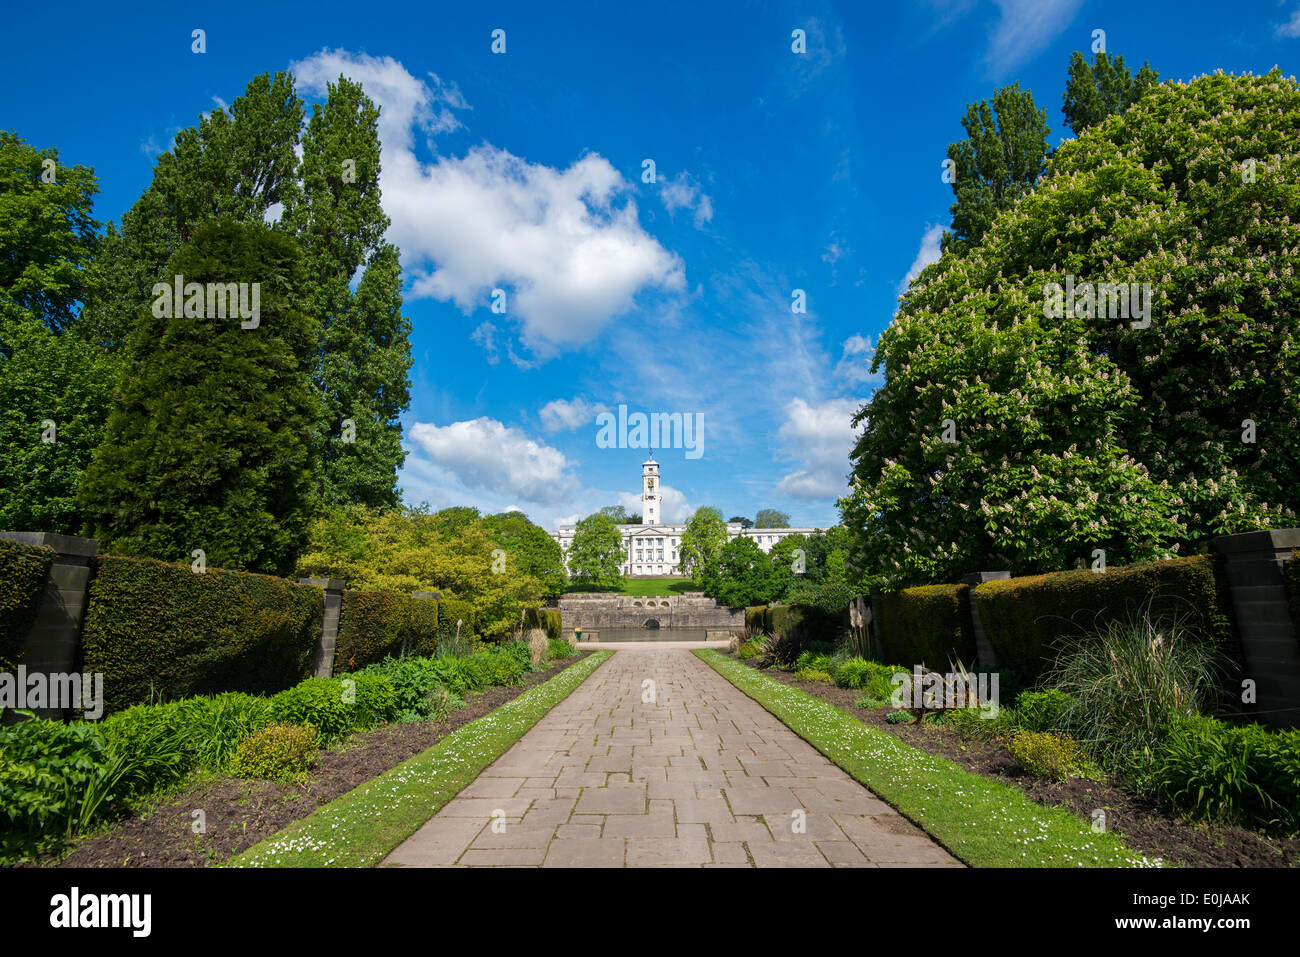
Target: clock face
x=650, y=483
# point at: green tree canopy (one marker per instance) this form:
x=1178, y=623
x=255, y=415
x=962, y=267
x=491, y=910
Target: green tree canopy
x=207, y=448
x=1003, y=438
x=702, y=541
x=741, y=521
x=596, y=553
x=745, y=575
x=532, y=550
x=455, y=551
x=47, y=231
x=1101, y=89
x=771, y=518
x=1003, y=155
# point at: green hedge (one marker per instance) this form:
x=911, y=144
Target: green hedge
x=928, y=625
x=756, y=617
x=1029, y=620
x=376, y=624
x=450, y=610
x=547, y=619
x=23, y=571
x=422, y=632
x=159, y=631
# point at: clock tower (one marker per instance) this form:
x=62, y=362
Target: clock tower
x=650, y=492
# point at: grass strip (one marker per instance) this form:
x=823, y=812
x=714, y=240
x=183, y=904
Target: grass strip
x=359, y=828
x=981, y=821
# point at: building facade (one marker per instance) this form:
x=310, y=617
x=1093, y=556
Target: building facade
x=651, y=548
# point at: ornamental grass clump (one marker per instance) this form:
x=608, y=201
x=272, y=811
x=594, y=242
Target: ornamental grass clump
x=1130, y=679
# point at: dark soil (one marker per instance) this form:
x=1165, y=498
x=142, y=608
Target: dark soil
x=1144, y=825
x=240, y=813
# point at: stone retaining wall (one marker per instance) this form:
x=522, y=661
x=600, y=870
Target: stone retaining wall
x=595, y=611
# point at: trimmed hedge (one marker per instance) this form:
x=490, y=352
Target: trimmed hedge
x=376, y=624
x=929, y=625
x=23, y=571
x=756, y=617
x=1030, y=620
x=451, y=610
x=160, y=631
x=548, y=619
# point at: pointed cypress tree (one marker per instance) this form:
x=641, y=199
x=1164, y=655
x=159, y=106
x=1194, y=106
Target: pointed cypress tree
x=208, y=445
x=364, y=352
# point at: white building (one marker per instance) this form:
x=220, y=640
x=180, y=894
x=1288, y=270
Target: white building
x=651, y=547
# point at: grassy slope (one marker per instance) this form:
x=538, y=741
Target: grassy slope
x=983, y=822
x=359, y=828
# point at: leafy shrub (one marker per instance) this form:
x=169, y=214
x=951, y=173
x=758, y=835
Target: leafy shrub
x=504, y=667
x=169, y=740
x=1210, y=769
x=157, y=630
x=975, y=724
x=750, y=649
x=1041, y=710
x=559, y=649
x=898, y=717
x=320, y=703
x=927, y=625
x=376, y=701
x=521, y=651
x=1033, y=621
x=1130, y=679
x=1052, y=756
x=23, y=570
x=814, y=674
x=276, y=751
x=815, y=661
x=50, y=773
x=411, y=679
x=854, y=673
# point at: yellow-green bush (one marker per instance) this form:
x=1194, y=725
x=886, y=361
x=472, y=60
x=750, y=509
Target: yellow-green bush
x=929, y=625
x=1052, y=756
x=276, y=751
x=1029, y=621
x=158, y=630
x=23, y=570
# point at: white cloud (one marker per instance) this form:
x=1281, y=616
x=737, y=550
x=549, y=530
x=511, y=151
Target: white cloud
x=1291, y=28
x=486, y=455
x=854, y=366
x=568, y=414
x=685, y=193
x=566, y=244
x=483, y=336
x=820, y=436
x=930, y=252
x=1025, y=28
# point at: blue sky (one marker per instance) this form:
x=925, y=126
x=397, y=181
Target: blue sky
x=523, y=171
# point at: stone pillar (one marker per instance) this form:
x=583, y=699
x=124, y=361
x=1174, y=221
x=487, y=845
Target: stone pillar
x=987, y=659
x=1264, y=625
x=322, y=664
x=54, y=639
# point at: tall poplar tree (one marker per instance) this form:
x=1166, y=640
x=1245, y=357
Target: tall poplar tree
x=363, y=349
x=1101, y=89
x=1004, y=153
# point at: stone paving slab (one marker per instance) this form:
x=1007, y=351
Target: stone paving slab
x=659, y=761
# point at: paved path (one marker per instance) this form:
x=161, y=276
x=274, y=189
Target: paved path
x=703, y=776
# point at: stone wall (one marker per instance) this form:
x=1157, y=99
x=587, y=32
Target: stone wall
x=596, y=611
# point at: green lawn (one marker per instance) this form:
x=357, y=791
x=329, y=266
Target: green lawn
x=359, y=828
x=981, y=821
x=659, y=587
